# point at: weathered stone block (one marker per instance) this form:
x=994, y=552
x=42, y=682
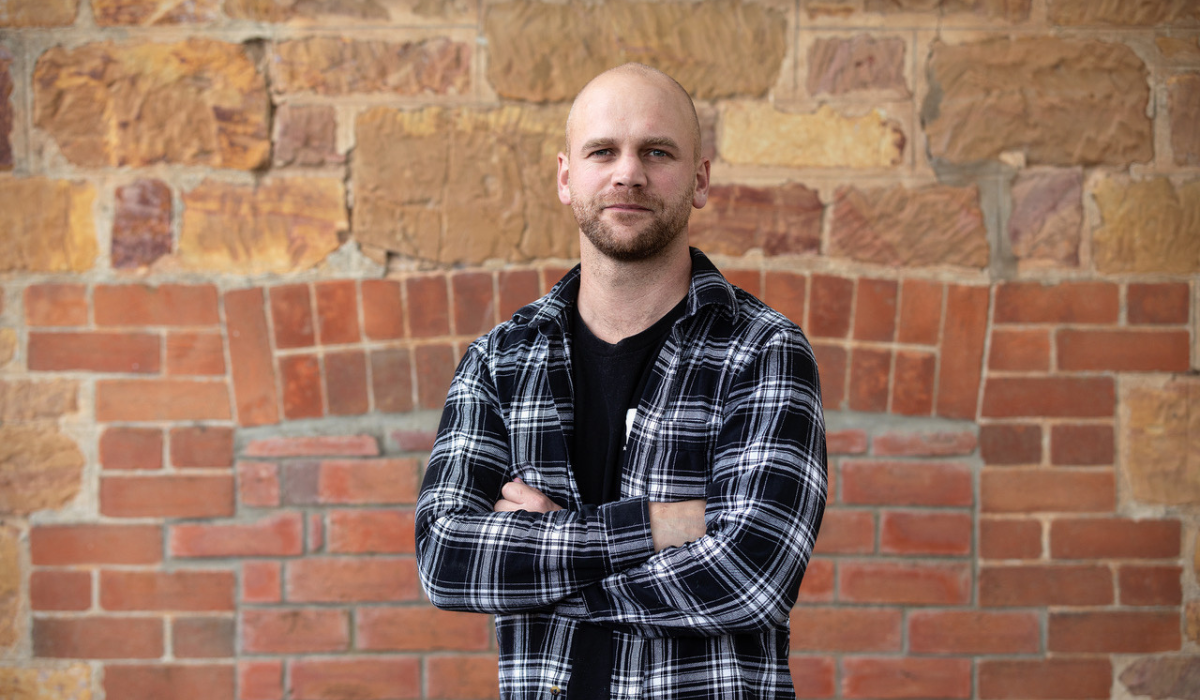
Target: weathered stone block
x=756, y=133
x=705, y=46
x=6, y=109
x=199, y=102
x=38, y=13
x=368, y=11
x=109, y=13
x=23, y=400
x=1012, y=10
x=73, y=682
x=1160, y=423
x=1121, y=12
x=1148, y=226
x=46, y=225
x=306, y=135
x=463, y=185
x=936, y=225
x=1164, y=677
x=778, y=220
x=339, y=66
x=10, y=584
x=280, y=225
x=840, y=66
x=1047, y=217
x=1057, y=101
x=1183, y=93
x=8, y=345
x=142, y=225
x=39, y=468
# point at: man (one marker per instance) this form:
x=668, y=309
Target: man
x=630, y=473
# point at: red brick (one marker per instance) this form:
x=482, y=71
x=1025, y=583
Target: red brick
x=1123, y=350
x=963, y=340
x=258, y=484
x=346, y=383
x=784, y=292
x=830, y=307
x=1086, y=445
x=1043, y=490
x=904, y=583
x=875, y=310
x=295, y=631
x=278, y=535
x=462, y=677
x=374, y=678
x=746, y=280
x=973, y=632
x=262, y=582
x=920, y=312
x=260, y=680
x=869, y=372
x=292, y=316
x=166, y=305
x=912, y=383
x=56, y=305
x=1114, y=632
x=1010, y=539
x=337, y=312
x=906, y=678
x=1045, y=679
x=98, y=638
x=371, y=532
x=1066, y=302
x=94, y=352
x=1055, y=397
x=158, y=590
x=1158, y=303
x=846, y=629
x=831, y=365
x=350, y=579
x=195, y=354
x=391, y=380
x=1029, y=586
x=474, y=308
x=202, y=446
x=938, y=533
x=1115, y=538
x=94, y=543
x=120, y=400
x=845, y=531
x=428, y=306
x=166, y=496
x=203, y=637
x=316, y=532
x=813, y=676
x=300, y=376
x=300, y=482
x=924, y=444
x=1020, y=350
x=517, y=288
x=435, y=369
x=881, y=482
x=251, y=365
x=314, y=446
x=421, y=629
x=1151, y=585
x=131, y=448
x=383, y=310
x=414, y=440
x=1010, y=443
x=60, y=590
x=552, y=276
x=817, y=585
x=368, y=481
x=846, y=442
x=190, y=682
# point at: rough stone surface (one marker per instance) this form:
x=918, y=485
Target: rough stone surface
x=1047, y=217
x=339, y=66
x=1012, y=10
x=702, y=45
x=1148, y=226
x=463, y=185
x=840, y=66
x=306, y=135
x=1160, y=422
x=1121, y=12
x=8, y=345
x=6, y=110
x=46, y=225
x=199, y=102
x=38, y=13
x=10, y=582
x=1183, y=93
x=24, y=400
x=1057, y=101
x=1178, y=49
x=758, y=134
x=39, y=468
x=935, y=225
x=73, y=682
x=109, y=13
x=369, y=11
x=281, y=225
x=1164, y=677
x=778, y=220
x=142, y=224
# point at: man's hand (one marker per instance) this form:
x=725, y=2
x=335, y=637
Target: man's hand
x=676, y=524
x=517, y=495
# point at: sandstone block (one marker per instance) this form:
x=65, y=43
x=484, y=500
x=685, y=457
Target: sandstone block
x=1121, y=12
x=758, y=134
x=1184, y=107
x=73, y=682
x=705, y=46
x=840, y=66
x=778, y=220
x=309, y=12
x=24, y=400
x=46, y=225
x=1057, y=101
x=1163, y=677
x=1160, y=423
x=306, y=135
x=1047, y=217
x=142, y=224
x=10, y=585
x=6, y=110
x=462, y=185
x=199, y=102
x=935, y=225
x=280, y=225
x=145, y=13
x=39, y=468
x=8, y=345
x=1148, y=226
x=340, y=66
x=1012, y=10
x=38, y=13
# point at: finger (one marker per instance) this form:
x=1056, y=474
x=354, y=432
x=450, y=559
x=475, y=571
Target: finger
x=505, y=506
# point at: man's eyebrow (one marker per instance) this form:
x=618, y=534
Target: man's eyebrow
x=653, y=142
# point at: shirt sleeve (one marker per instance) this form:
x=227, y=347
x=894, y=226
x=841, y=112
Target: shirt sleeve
x=765, y=504
x=472, y=559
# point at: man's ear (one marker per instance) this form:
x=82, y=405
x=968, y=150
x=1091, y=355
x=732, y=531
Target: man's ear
x=700, y=196
x=564, y=189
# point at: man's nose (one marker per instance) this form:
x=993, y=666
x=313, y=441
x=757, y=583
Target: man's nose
x=630, y=171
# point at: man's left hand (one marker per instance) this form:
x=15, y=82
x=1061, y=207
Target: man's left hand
x=518, y=495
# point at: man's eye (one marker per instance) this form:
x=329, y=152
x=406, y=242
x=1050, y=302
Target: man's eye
x=601, y=152
x=658, y=153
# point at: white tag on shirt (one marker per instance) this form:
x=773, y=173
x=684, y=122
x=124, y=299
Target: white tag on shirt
x=629, y=416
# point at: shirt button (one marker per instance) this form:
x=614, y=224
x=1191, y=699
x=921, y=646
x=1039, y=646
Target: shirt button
x=555, y=690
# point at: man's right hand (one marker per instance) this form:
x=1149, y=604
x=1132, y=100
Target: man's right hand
x=676, y=524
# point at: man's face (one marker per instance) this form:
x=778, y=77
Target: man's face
x=631, y=176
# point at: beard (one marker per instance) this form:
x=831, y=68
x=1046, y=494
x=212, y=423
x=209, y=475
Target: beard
x=669, y=221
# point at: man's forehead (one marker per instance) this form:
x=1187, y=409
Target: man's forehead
x=624, y=96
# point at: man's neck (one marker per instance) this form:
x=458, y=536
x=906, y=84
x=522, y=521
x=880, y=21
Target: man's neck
x=621, y=299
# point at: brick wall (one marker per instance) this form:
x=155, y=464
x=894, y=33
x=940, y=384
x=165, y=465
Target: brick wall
x=243, y=244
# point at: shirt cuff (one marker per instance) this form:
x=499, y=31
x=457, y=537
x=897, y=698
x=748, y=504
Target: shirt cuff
x=627, y=532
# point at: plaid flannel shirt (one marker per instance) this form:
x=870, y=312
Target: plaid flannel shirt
x=731, y=413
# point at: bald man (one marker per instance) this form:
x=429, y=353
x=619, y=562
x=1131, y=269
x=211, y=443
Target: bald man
x=630, y=473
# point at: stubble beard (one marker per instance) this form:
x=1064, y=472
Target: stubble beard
x=656, y=235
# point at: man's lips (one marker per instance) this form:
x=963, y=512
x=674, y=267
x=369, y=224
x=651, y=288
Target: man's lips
x=627, y=207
